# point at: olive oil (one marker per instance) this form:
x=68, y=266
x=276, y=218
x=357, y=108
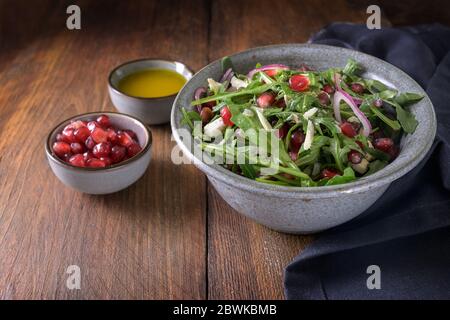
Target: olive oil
x=152, y=83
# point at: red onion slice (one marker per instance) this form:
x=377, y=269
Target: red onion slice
x=337, y=84
x=227, y=75
x=267, y=67
x=199, y=93
x=342, y=95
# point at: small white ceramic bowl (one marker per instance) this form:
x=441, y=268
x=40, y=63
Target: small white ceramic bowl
x=103, y=180
x=149, y=110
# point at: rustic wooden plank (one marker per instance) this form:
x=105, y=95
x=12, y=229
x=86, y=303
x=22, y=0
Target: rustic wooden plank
x=145, y=242
x=246, y=260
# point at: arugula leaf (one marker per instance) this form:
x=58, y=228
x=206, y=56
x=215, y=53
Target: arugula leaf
x=377, y=154
x=226, y=64
x=248, y=170
x=375, y=166
x=388, y=94
x=406, y=119
x=225, y=95
x=351, y=68
x=348, y=176
x=395, y=125
x=375, y=86
x=311, y=156
x=329, y=123
x=189, y=117
x=338, y=152
x=408, y=98
x=303, y=102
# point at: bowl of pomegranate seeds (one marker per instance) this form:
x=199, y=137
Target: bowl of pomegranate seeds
x=99, y=152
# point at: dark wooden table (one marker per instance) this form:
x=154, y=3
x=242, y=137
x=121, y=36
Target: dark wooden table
x=170, y=235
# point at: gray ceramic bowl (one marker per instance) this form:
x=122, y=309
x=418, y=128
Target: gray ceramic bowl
x=308, y=210
x=103, y=180
x=149, y=110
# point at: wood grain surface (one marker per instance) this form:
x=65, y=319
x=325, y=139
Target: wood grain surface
x=169, y=236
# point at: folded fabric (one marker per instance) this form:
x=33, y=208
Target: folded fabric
x=406, y=233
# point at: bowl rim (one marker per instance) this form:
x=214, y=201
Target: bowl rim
x=117, y=91
x=113, y=167
x=380, y=178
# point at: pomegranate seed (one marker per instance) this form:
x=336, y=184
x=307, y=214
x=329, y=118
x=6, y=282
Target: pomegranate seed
x=118, y=153
x=66, y=157
x=61, y=148
x=112, y=136
x=60, y=137
x=299, y=83
x=265, y=100
x=88, y=155
x=77, y=160
x=95, y=163
x=393, y=152
x=348, y=129
x=68, y=134
x=328, y=89
x=324, y=98
x=104, y=121
x=99, y=135
x=271, y=72
x=124, y=139
x=81, y=134
x=377, y=134
x=280, y=103
x=102, y=149
x=210, y=104
x=225, y=113
x=297, y=139
x=329, y=173
x=354, y=157
x=383, y=144
x=90, y=143
x=92, y=125
x=106, y=160
x=131, y=133
x=76, y=124
x=357, y=88
x=133, y=149
x=76, y=147
x=378, y=103
x=283, y=131
x=293, y=155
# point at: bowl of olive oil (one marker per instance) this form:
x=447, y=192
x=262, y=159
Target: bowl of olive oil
x=146, y=88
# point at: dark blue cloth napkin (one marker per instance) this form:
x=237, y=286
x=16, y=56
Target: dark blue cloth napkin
x=406, y=233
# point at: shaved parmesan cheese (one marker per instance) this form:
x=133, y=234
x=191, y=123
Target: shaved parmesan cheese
x=213, y=85
x=308, y=114
x=238, y=83
x=214, y=128
x=309, y=136
x=266, y=125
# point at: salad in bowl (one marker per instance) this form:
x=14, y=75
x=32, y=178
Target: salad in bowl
x=296, y=126
x=308, y=139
